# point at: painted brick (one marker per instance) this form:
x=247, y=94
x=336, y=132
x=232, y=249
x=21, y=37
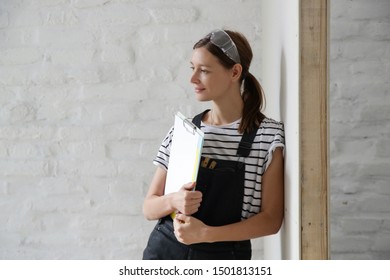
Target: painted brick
x=359, y=121
x=16, y=38
x=101, y=168
x=353, y=225
x=342, y=29
x=23, y=151
x=351, y=244
x=375, y=203
x=18, y=113
x=24, y=168
x=24, y=16
x=20, y=56
x=115, y=54
x=123, y=150
x=382, y=147
x=82, y=4
x=382, y=245
x=125, y=14
x=27, y=133
x=386, y=225
x=4, y=21
x=65, y=37
x=119, y=92
x=88, y=90
x=71, y=57
x=59, y=16
x=373, y=10
x=174, y=15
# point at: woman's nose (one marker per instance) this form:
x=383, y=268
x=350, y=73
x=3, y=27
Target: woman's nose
x=194, y=78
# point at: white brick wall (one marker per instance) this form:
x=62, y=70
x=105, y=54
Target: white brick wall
x=360, y=129
x=88, y=89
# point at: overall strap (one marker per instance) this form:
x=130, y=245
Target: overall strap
x=244, y=148
x=245, y=145
x=198, y=118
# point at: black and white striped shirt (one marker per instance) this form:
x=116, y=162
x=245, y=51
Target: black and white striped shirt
x=221, y=142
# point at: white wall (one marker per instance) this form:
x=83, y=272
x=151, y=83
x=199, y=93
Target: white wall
x=280, y=52
x=359, y=106
x=88, y=89
x=360, y=129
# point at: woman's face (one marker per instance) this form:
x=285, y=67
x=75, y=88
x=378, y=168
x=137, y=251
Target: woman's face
x=210, y=79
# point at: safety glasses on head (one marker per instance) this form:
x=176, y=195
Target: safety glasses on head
x=222, y=40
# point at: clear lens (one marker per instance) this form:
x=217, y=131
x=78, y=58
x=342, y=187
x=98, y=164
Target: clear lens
x=223, y=41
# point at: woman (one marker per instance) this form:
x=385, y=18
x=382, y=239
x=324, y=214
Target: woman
x=239, y=190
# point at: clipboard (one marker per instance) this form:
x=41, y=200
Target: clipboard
x=184, y=158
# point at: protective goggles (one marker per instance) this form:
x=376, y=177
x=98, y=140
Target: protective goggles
x=222, y=40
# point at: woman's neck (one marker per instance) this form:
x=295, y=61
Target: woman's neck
x=226, y=111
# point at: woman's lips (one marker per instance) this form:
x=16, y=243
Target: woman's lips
x=199, y=90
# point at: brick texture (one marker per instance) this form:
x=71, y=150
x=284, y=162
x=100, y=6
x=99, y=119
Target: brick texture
x=88, y=90
x=360, y=129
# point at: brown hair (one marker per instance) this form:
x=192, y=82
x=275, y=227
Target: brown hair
x=252, y=94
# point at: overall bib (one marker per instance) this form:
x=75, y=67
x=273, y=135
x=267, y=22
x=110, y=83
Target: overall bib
x=222, y=185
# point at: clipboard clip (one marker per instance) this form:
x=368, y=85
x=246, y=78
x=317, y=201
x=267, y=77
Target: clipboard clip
x=189, y=126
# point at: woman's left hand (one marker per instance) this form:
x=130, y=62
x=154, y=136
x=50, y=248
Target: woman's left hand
x=189, y=230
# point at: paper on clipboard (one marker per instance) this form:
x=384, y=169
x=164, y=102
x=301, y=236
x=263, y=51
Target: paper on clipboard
x=184, y=158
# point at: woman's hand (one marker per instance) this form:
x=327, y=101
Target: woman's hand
x=157, y=205
x=186, y=200
x=189, y=230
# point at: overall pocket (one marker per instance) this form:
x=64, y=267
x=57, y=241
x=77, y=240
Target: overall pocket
x=163, y=245
x=223, y=190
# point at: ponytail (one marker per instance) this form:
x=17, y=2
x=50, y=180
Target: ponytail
x=253, y=98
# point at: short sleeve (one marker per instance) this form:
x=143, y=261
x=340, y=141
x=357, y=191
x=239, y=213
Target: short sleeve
x=162, y=158
x=277, y=141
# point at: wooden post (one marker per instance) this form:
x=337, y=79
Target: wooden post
x=314, y=128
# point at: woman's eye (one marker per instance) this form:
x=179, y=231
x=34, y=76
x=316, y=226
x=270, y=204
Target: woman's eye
x=204, y=71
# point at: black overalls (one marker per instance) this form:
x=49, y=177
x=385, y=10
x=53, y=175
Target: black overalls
x=222, y=185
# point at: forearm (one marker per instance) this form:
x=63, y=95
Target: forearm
x=156, y=204
x=184, y=201
x=259, y=225
x=156, y=207
x=189, y=230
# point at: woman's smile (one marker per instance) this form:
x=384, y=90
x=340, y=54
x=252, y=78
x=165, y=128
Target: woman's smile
x=199, y=89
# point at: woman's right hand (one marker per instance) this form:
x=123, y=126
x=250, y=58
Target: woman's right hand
x=157, y=205
x=186, y=200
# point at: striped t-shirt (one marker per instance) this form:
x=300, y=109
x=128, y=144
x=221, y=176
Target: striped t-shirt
x=221, y=142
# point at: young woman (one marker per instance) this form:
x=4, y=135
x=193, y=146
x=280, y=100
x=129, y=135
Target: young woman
x=239, y=190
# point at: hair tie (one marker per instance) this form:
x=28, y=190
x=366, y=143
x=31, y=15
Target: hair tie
x=245, y=75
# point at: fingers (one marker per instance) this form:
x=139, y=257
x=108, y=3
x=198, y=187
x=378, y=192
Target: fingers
x=192, y=197
x=188, y=230
x=182, y=219
x=186, y=200
x=189, y=186
x=190, y=193
x=190, y=208
x=178, y=229
x=180, y=222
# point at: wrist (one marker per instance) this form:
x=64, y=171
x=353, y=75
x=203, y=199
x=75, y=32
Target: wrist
x=208, y=234
x=170, y=202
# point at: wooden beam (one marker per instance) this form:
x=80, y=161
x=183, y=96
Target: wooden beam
x=314, y=128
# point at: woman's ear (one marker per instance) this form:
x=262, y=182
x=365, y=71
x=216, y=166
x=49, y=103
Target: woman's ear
x=236, y=72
